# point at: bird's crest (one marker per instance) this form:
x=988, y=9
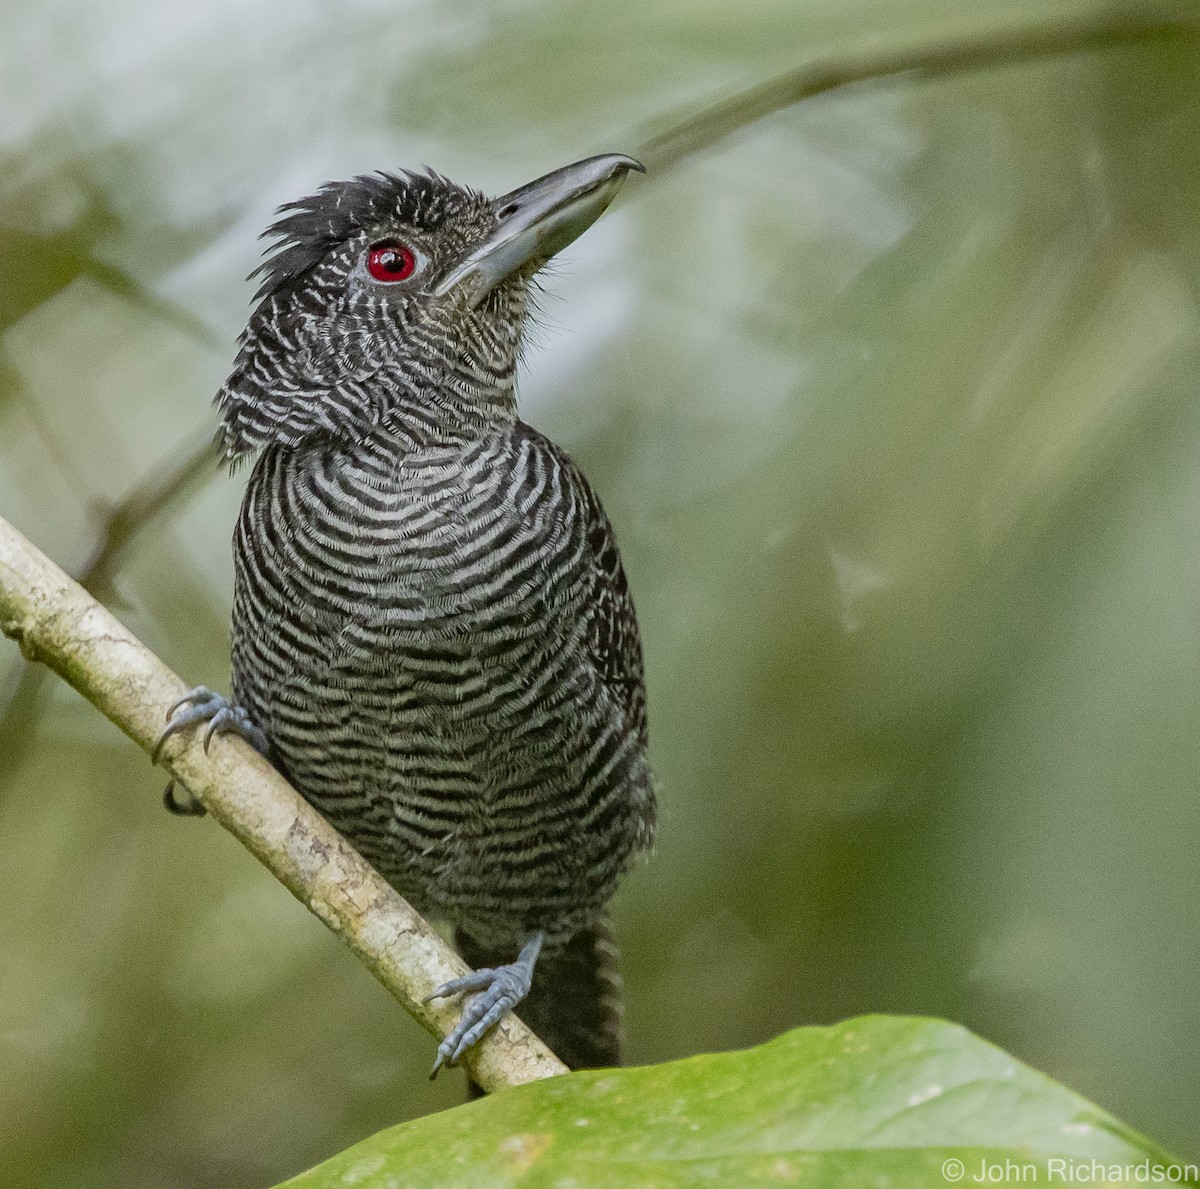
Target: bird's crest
x=310, y=227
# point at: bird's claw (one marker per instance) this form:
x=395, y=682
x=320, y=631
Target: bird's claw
x=185, y=806
x=203, y=705
x=477, y=980
x=500, y=990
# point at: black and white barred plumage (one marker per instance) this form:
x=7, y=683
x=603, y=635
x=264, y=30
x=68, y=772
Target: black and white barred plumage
x=431, y=622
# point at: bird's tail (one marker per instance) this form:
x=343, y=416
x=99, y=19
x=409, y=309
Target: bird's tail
x=574, y=1004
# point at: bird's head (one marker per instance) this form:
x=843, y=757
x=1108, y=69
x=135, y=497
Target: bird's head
x=400, y=296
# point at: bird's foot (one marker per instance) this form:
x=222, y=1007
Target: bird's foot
x=202, y=705
x=501, y=989
x=223, y=718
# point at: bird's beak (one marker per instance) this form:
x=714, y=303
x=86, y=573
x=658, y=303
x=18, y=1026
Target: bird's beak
x=538, y=220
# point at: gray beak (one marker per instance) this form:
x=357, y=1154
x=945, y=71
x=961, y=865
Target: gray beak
x=537, y=221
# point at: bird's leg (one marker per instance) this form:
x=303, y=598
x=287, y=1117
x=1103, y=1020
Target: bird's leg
x=502, y=988
x=223, y=717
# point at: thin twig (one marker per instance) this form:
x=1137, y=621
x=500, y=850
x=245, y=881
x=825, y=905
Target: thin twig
x=194, y=462
x=684, y=136
x=57, y=622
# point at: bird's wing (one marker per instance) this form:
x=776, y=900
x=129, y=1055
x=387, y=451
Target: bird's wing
x=615, y=643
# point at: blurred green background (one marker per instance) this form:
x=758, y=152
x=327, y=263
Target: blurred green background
x=892, y=398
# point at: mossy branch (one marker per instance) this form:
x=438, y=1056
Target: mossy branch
x=55, y=621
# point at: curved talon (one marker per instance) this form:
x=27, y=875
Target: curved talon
x=213, y=724
x=234, y=720
x=201, y=693
x=173, y=804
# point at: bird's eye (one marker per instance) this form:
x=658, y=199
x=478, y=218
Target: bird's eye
x=390, y=261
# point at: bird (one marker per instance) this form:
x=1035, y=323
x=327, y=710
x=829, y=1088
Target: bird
x=433, y=637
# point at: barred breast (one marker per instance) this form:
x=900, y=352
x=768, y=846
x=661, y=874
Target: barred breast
x=441, y=647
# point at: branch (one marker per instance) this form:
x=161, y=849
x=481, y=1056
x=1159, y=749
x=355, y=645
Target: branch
x=685, y=136
x=194, y=462
x=57, y=622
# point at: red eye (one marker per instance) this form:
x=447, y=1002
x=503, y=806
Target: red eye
x=391, y=262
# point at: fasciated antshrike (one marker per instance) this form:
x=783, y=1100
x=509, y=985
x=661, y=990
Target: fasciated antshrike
x=432, y=634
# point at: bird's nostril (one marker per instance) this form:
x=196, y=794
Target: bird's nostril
x=507, y=211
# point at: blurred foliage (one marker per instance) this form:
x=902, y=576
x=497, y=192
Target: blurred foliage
x=893, y=402
x=881, y=1100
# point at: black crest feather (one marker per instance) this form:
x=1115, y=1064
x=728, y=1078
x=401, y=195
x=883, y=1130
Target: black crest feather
x=312, y=226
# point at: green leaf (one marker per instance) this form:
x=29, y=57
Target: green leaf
x=878, y=1101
